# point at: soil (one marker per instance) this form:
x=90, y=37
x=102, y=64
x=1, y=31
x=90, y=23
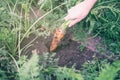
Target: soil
x=68, y=52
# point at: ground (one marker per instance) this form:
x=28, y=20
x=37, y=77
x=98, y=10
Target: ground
x=68, y=51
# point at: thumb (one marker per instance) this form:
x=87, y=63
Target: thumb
x=67, y=17
x=73, y=22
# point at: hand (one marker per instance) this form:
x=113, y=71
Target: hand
x=79, y=12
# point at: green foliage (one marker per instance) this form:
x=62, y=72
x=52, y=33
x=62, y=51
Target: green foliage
x=9, y=38
x=2, y=75
x=63, y=73
x=16, y=24
x=52, y=71
x=7, y=66
x=103, y=20
x=90, y=69
x=3, y=59
x=106, y=17
x=30, y=69
x=80, y=35
x=42, y=67
x=109, y=72
x=101, y=70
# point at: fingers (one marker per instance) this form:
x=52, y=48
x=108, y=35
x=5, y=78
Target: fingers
x=70, y=17
x=67, y=18
x=73, y=22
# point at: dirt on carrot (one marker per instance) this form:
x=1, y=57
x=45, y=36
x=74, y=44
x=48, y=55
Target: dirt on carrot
x=58, y=35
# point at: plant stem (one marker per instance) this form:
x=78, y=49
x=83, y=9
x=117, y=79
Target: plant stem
x=65, y=25
x=14, y=61
x=39, y=20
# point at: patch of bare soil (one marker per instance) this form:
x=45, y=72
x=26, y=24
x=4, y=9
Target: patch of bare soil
x=68, y=52
x=34, y=42
x=71, y=55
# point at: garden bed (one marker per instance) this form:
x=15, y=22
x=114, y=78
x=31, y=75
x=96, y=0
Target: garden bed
x=68, y=51
x=90, y=50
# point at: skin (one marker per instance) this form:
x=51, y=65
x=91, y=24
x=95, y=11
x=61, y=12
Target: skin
x=80, y=11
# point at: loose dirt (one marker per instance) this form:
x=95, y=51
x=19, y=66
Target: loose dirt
x=68, y=52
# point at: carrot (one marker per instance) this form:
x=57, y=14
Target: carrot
x=58, y=35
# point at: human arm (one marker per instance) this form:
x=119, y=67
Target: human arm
x=80, y=11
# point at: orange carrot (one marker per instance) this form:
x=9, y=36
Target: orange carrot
x=58, y=35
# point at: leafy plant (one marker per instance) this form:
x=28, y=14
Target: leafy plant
x=3, y=75
x=16, y=24
x=30, y=69
x=90, y=69
x=103, y=21
x=109, y=72
x=7, y=65
x=106, y=23
x=101, y=70
x=63, y=73
x=80, y=35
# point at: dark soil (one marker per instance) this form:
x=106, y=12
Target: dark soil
x=71, y=55
x=68, y=52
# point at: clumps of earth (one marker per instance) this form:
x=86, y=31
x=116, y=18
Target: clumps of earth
x=68, y=51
